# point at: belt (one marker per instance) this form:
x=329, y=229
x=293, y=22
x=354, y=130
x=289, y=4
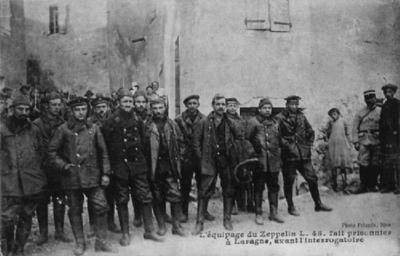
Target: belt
x=369, y=131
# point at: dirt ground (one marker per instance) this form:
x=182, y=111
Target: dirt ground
x=364, y=213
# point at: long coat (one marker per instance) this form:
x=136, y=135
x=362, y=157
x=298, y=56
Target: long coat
x=21, y=155
x=124, y=135
x=186, y=126
x=265, y=136
x=174, y=144
x=205, y=141
x=389, y=127
x=84, y=147
x=297, y=136
x=365, y=129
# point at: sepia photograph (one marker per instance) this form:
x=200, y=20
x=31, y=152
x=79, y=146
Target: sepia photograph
x=200, y=127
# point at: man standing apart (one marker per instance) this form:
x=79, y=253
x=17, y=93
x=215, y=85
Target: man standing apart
x=124, y=135
x=47, y=123
x=213, y=142
x=163, y=142
x=79, y=152
x=365, y=136
x=22, y=178
x=389, y=131
x=297, y=140
x=264, y=134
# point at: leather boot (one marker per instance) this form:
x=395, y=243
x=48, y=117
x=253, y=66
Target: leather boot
x=149, y=232
x=235, y=210
x=160, y=217
x=363, y=180
x=320, y=207
x=167, y=218
x=334, y=180
x=59, y=213
x=23, y=231
x=228, y=204
x=92, y=230
x=42, y=217
x=207, y=215
x=137, y=221
x=123, y=216
x=111, y=226
x=258, y=208
x=273, y=207
x=201, y=208
x=250, y=199
x=177, y=229
x=7, y=238
x=77, y=230
x=101, y=244
x=288, y=189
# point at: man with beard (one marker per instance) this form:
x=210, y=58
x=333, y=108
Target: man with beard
x=389, y=131
x=100, y=114
x=190, y=163
x=244, y=195
x=124, y=134
x=22, y=178
x=78, y=151
x=365, y=136
x=213, y=142
x=263, y=133
x=163, y=143
x=297, y=140
x=47, y=123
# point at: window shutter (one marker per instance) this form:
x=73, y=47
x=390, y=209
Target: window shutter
x=279, y=14
x=257, y=15
x=5, y=16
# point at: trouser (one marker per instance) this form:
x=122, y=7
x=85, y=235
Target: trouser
x=207, y=188
x=189, y=167
x=97, y=201
x=307, y=171
x=369, y=158
x=261, y=178
x=136, y=186
x=390, y=170
x=110, y=196
x=17, y=212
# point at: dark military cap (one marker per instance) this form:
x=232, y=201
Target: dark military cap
x=77, y=101
x=53, y=95
x=369, y=93
x=292, y=97
x=139, y=93
x=389, y=86
x=20, y=99
x=234, y=100
x=123, y=92
x=89, y=94
x=264, y=101
x=100, y=99
x=158, y=100
x=191, y=97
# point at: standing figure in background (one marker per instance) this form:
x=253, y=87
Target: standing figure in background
x=47, y=123
x=389, y=127
x=365, y=138
x=336, y=132
x=22, y=179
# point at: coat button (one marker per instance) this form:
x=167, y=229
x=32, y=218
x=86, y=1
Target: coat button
x=77, y=155
x=136, y=149
x=79, y=166
x=125, y=140
x=125, y=160
x=76, y=134
x=124, y=150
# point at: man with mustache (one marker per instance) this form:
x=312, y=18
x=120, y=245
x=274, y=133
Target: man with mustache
x=163, y=143
x=22, y=179
x=47, y=123
x=213, y=142
x=190, y=163
x=124, y=134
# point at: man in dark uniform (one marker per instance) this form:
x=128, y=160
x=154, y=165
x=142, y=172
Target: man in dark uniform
x=244, y=196
x=366, y=140
x=124, y=134
x=190, y=163
x=47, y=123
x=389, y=131
x=78, y=151
x=213, y=142
x=101, y=112
x=22, y=179
x=163, y=144
x=297, y=140
x=264, y=134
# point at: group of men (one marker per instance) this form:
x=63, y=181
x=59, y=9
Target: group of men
x=137, y=151
x=376, y=137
